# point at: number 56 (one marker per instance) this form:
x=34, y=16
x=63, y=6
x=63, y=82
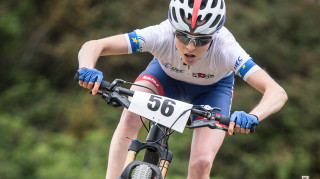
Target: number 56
x=167, y=106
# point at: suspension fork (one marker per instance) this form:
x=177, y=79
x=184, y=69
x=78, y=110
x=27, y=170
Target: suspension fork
x=164, y=166
x=156, y=134
x=131, y=156
x=156, y=149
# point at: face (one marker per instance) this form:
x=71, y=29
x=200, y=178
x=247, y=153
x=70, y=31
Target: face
x=190, y=53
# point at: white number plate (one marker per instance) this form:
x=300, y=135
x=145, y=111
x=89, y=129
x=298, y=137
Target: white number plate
x=161, y=109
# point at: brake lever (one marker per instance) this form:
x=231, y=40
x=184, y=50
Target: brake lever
x=200, y=123
x=207, y=123
x=115, y=83
x=219, y=127
x=123, y=101
x=112, y=99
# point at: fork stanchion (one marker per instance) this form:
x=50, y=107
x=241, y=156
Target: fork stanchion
x=164, y=165
x=131, y=156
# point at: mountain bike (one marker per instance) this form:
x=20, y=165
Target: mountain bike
x=166, y=115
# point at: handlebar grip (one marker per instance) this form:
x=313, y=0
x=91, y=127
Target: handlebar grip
x=76, y=77
x=225, y=120
x=104, y=84
x=253, y=128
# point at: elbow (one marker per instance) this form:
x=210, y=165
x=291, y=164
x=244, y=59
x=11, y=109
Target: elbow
x=86, y=46
x=89, y=44
x=283, y=96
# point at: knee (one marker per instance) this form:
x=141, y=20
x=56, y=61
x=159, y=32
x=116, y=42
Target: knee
x=130, y=121
x=200, y=166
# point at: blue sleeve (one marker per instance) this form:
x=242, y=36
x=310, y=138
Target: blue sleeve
x=136, y=42
x=245, y=68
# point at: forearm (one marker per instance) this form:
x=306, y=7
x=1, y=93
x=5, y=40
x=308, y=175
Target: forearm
x=89, y=54
x=92, y=50
x=272, y=101
x=274, y=96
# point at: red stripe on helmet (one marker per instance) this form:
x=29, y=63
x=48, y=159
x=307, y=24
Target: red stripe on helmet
x=196, y=7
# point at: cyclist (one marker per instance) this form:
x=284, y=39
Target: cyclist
x=195, y=59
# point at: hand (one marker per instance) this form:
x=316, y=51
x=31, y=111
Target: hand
x=243, y=122
x=90, y=78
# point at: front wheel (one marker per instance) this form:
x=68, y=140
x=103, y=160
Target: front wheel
x=142, y=172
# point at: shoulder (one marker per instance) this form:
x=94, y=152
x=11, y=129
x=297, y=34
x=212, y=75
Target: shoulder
x=163, y=27
x=166, y=24
x=150, y=38
x=159, y=34
x=227, y=51
x=225, y=43
x=225, y=37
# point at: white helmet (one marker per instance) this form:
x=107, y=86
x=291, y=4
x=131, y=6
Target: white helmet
x=206, y=16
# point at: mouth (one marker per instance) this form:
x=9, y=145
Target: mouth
x=189, y=57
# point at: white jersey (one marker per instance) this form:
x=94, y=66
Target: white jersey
x=224, y=57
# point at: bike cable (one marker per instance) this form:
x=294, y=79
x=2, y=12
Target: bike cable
x=169, y=133
x=144, y=125
x=141, y=86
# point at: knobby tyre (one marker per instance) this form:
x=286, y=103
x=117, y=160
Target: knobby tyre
x=142, y=172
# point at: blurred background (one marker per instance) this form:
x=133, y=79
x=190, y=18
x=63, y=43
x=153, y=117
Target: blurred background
x=51, y=128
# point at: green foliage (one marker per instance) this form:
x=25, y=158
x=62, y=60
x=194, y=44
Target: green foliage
x=51, y=128
x=41, y=154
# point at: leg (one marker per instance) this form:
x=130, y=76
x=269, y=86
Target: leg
x=205, y=145
x=205, y=141
x=128, y=126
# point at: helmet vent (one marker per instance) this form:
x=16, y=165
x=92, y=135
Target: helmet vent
x=221, y=7
x=208, y=16
x=189, y=16
x=199, y=18
x=203, y=4
x=215, y=21
x=190, y=3
x=182, y=1
x=174, y=14
x=214, y=3
x=220, y=23
x=182, y=15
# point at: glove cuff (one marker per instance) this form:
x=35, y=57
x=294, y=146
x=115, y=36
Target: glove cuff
x=255, y=116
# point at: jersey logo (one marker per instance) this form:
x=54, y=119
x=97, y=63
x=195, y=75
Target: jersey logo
x=172, y=68
x=201, y=75
x=238, y=62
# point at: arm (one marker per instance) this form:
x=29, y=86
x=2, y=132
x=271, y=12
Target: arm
x=273, y=99
x=274, y=96
x=92, y=50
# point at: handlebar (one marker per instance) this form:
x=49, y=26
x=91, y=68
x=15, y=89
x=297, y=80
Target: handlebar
x=111, y=87
x=115, y=99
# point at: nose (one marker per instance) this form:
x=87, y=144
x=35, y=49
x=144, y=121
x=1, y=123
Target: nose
x=191, y=46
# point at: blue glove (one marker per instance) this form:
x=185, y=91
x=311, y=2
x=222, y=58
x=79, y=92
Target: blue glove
x=244, y=120
x=90, y=75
